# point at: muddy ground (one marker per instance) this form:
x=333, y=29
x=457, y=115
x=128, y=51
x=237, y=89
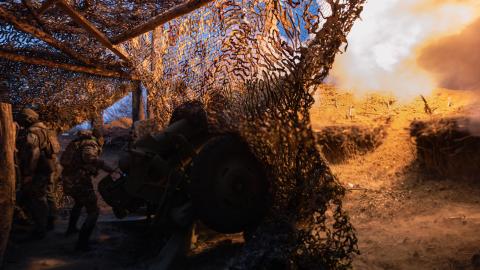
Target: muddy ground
x=405, y=219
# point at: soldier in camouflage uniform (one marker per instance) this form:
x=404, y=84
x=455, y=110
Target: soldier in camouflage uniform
x=80, y=163
x=37, y=153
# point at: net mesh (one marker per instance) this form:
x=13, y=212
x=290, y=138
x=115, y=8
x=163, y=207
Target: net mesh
x=255, y=65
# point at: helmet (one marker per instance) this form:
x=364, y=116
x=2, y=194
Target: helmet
x=84, y=134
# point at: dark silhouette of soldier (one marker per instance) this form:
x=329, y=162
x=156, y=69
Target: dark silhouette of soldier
x=80, y=163
x=37, y=156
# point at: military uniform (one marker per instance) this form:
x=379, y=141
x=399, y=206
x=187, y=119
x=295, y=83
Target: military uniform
x=80, y=163
x=38, y=150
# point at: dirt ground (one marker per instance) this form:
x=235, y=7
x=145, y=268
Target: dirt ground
x=404, y=218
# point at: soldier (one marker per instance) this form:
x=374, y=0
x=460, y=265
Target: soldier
x=38, y=148
x=80, y=163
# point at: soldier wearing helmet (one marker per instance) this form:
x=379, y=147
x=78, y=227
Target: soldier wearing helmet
x=81, y=161
x=38, y=148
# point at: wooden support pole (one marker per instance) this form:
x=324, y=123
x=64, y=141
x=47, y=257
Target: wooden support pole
x=174, y=12
x=7, y=175
x=40, y=34
x=153, y=67
x=138, y=105
x=150, y=109
x=90, y=28
x=48, y=63
x=97, y=126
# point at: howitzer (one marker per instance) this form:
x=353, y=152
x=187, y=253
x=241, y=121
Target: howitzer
x=185, y=174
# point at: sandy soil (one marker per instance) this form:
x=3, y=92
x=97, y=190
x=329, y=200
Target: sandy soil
x=404, y=218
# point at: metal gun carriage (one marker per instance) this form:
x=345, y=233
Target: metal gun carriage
x=187, y=174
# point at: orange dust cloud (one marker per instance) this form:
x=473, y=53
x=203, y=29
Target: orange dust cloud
x=454, y=61
x=384, y=46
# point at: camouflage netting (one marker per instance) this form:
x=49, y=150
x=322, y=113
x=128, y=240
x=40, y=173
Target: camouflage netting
x=63, y=98
x=255, y=64
x=67, y=98
x=110, y=17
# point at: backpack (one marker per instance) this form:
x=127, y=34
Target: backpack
x=68, y=156
x=48, y=140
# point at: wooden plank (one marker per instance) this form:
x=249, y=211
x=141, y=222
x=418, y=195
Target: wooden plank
x=48, y=63
x=138, y=105
x=153, y=67
x=38, y=33
x=162, y=18
x=45, y=6
x=90, y=28
x=7, y=175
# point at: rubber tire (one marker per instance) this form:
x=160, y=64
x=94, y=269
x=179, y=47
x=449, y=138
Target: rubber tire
x=216, y=207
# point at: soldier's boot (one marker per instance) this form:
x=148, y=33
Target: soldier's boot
x=73, y=220
x=83, y=243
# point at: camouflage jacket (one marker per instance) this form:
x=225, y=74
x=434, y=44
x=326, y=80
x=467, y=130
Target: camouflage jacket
x=35, y=153
x=86, y=159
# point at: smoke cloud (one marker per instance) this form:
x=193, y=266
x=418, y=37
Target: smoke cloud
x=385, y=47
x=455, y=60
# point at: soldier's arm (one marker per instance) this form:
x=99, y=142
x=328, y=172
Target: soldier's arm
x=30, y=155
x=90, y=157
